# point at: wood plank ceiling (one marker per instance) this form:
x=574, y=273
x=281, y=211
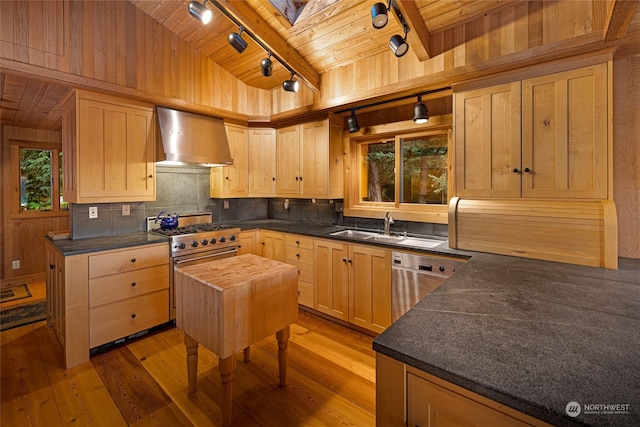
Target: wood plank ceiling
x=327, y=35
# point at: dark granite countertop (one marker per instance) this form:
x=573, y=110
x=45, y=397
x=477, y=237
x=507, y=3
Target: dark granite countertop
x=533, y=335
x=70, y=247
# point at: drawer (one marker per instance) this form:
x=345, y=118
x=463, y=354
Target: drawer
x=302, y=255
x=103, y=264
x=305, y=272
x=120, y=319
x=305, y=293
x=298, y=241
x=116, y=287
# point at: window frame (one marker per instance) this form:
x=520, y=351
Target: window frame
x=14, y=153
x=431, y=213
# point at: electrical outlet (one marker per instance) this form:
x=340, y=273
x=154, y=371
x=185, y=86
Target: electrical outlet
x=225, y=204
x=93, y=212
x=126, y=210
x=15, y=264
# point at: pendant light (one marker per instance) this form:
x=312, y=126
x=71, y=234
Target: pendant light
x=266, y=67
x=420, y=111
x=290, y=85
x=398, y=44
x=237, y=41
x=200, y=11
x=352, y=122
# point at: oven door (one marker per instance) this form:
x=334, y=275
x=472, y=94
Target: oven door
x=192, y=259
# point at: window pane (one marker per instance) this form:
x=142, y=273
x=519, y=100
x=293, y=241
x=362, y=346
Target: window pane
x=424, y=169
x=377, y=164
x=63, y=205
x=35, y=179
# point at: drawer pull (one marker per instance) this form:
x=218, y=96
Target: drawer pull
x=51, y=266
x=133, y=316
x=133, y=283
x=133, y=260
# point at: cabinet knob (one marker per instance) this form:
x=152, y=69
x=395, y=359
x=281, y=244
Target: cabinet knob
x=133, y=260
x=296, y=178
x=150, y=176
x=349, y=261
x=344, y=260
x=297, y=242
x=52, y=267
x=133, y=316
x=300, y=178
x=527, y=170
x=516, y=170
x=133, y=284
x=297, y=255
x=273, y=178
x=239, y=246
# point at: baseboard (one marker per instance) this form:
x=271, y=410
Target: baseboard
x=19, y=280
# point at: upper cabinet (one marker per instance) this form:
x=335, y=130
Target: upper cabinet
x=542, y=137
x=309, y=159
x=231, y=181
x=262, y=161
x=109, y=149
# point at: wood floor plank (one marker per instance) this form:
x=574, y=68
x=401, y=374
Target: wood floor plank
x=27, y=398
x=79, y=392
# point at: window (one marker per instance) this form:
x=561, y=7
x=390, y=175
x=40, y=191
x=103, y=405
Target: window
x=40, y=172
x=406, y=174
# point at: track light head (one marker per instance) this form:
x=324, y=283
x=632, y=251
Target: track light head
x=379, y=15
x=266, y=66
x=398, y=44
x=237, y=41
x=200, y=11
x=420, y=111
x=352, y=122
x=291, y=85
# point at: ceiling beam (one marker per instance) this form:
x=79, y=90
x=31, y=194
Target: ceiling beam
x=619, y=15
x=418, y=36
x=253, y=23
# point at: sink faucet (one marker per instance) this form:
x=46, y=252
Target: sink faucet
x=388, y=220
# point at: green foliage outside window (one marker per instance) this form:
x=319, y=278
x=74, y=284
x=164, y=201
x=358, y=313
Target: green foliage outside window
x=36, y=183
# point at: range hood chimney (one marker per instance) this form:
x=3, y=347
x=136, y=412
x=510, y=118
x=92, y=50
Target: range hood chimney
x=189, y=138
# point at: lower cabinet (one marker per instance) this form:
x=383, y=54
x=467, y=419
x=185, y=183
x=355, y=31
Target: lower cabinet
x=248, y=242
x=272, y=245
x=353, y=283
x=97, y=297
x=406, y=393
x=299, y=253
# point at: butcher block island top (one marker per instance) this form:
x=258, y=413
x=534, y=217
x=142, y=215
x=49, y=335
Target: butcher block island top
x=229, y=304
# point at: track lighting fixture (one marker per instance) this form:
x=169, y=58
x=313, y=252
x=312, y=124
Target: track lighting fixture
x=398, y=44
x=420, y=112
x=290, y=85
x=379, y=15
x=237, y=41
x=266, y=67
x=200, y=11
x=352, y=122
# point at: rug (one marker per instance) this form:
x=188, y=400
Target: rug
x=13, y=293
x=22, y=314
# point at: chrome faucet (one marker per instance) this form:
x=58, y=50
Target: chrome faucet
x=388, y=220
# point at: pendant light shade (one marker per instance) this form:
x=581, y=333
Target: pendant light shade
x=398, y=45
x=290, y=85
x=200, y=12
x=420, y=111
x=237, y=41
x=379, y=16
x=352, y=122
x=266, y=66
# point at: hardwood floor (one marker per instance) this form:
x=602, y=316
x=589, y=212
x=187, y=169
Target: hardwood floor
x=330, y=381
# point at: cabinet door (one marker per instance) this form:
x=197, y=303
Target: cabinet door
x=487, y=142
x=331, y=278
x=273, y=245
x=314, y=159
x=262, y=162
x=564, y=134
x=235, y=176
x=288, y=160
x=247, y=241
x=116, y=154
x=370, y=287
x=55, y=291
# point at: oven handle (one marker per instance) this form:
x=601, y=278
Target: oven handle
x=233, y=251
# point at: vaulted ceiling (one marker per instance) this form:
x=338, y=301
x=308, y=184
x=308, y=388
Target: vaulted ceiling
x=327, y=34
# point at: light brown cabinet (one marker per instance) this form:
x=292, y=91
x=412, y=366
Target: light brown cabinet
x=429, y=401
x=353, y=283
x=543, y=137
x=109, y=149
x=231, y=181
x=97, y=297
x=299, y=253
x=262, y=162
x=248, y=242
x=272, y=245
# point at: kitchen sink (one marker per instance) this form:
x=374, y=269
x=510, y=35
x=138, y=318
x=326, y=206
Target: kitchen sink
x=373, y=236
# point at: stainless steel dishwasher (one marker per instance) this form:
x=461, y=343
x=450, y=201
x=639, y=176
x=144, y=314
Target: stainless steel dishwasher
x=414, y=276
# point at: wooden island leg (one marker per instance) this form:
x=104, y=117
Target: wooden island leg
x=246, y=355
x=227, y=369
x=283, y=341
x=192, y=362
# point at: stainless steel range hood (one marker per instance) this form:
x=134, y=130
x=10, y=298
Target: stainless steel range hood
x=189, y=138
